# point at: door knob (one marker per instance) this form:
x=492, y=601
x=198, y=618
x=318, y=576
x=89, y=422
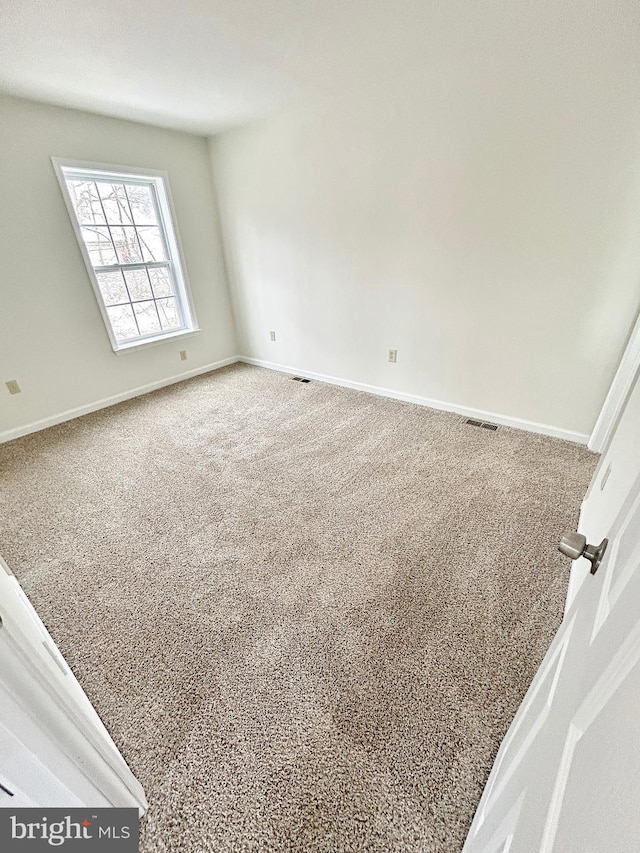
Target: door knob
x=574, y=545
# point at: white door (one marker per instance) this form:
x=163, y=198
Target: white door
x=567, y=776
x=54, y=750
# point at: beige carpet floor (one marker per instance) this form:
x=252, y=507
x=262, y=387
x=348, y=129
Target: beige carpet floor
x=306, y=615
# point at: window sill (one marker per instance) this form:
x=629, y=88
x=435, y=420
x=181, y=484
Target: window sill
x=154, y=342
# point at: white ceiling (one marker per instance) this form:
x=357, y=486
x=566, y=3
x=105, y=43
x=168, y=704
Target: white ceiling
x=205, y=65
x=169, y=63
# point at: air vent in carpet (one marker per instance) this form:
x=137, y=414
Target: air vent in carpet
x=482, y=424
x=300, y=379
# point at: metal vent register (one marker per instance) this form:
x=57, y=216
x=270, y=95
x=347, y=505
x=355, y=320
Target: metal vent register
x=482, y=424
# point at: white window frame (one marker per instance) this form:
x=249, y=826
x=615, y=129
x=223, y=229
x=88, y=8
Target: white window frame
x=168, y=225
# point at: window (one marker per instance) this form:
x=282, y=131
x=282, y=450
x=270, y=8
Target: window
x=124, y=227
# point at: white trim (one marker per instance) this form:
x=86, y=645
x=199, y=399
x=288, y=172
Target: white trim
x=617, y=397
x=479, y=414
x=105, y=402
x=168, y=223
x=154, y=342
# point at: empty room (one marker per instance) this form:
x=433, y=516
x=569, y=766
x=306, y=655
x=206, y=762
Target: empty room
x=320, y=426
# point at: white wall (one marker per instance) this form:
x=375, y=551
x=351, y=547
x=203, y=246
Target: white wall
x=484, y=222
x=52, y=338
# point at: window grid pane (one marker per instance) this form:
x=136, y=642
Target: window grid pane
x=114, y=202
x=124, y=187
x=166, y=306
x=84, y=195
x=97, y=239
x=169, y=313
x=126, y=241
x=147, y=317
x=142, y=204
x=138, y=284
x=161, y=282
x=112, y=287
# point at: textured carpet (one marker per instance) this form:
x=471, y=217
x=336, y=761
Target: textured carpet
x=305, y=614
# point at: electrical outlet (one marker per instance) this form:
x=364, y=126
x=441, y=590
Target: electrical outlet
x=13, y=386
x=272, y=335
x=392, y=356
x=183, y=355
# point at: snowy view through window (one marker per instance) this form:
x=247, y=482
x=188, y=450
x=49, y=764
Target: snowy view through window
x=122, y=228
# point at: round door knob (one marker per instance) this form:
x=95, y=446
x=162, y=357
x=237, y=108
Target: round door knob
x=574, y=545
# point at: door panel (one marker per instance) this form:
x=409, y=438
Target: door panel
x=502, y=839
x=611, y=483
x=623, y=561
x=57, y=751
x=603, y=753
x=571, y=758
x=527, y=724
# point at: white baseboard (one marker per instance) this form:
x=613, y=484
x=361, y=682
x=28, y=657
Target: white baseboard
x=35, y=426
x=477, y=414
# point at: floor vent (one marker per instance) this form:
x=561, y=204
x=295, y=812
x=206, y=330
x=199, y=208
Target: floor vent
x=300, y=379
x=482, y=424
